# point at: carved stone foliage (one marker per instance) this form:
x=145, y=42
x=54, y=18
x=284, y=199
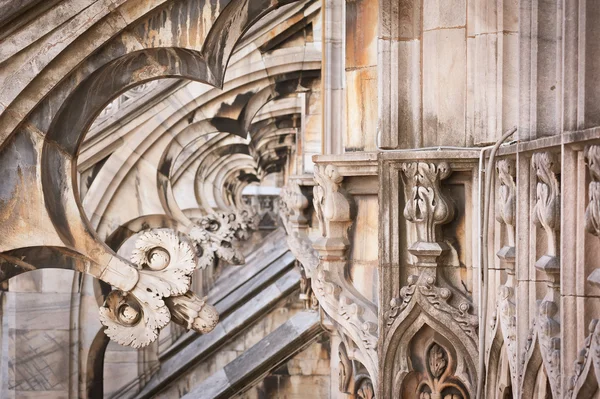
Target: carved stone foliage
x=592, y=212
x=506, y=308
x=355, y=316
x=586, y=371
x=546, y=214
x=424, y=292
x=214, y=236
x=193, y=312
x=165, y=265
x=433, y=375
x=506, y=206
x=426, y=206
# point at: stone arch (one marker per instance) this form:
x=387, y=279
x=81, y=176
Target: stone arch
x=534, y=373
x=412, y=323
x=432, y=366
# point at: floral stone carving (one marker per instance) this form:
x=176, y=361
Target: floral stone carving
x=165, y=265
x=546, y=214
x=592, y=212
x=426, y=207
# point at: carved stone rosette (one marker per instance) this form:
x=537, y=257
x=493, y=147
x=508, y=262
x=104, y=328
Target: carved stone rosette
x=546, y=214
x=165, y=265
x=350, y=311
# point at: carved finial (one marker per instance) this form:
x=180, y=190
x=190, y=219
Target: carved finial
x=192, y=312
x=166, y=264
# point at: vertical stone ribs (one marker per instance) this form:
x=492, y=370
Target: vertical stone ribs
x=586, y=376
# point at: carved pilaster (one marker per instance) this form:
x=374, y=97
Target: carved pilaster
x=506, y=214
x=431, y=334
x=427, y=208
x=546, y=214
x=592, y=212
x=340, y=300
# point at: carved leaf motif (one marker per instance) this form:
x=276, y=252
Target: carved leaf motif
x=215, y=234
x=165, y=264
x=507, y=203
x=345, y=369
x=366, y=391
x=592, y=212
x=438, y=361
x=172, y=277
x=426, y=206
x=192, y=312
x=546, y=212
x=128, y=322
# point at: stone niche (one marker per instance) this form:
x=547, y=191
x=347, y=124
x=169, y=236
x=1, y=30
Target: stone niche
x=428, y=219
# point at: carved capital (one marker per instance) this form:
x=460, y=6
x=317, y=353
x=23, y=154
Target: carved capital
x=426, y=207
